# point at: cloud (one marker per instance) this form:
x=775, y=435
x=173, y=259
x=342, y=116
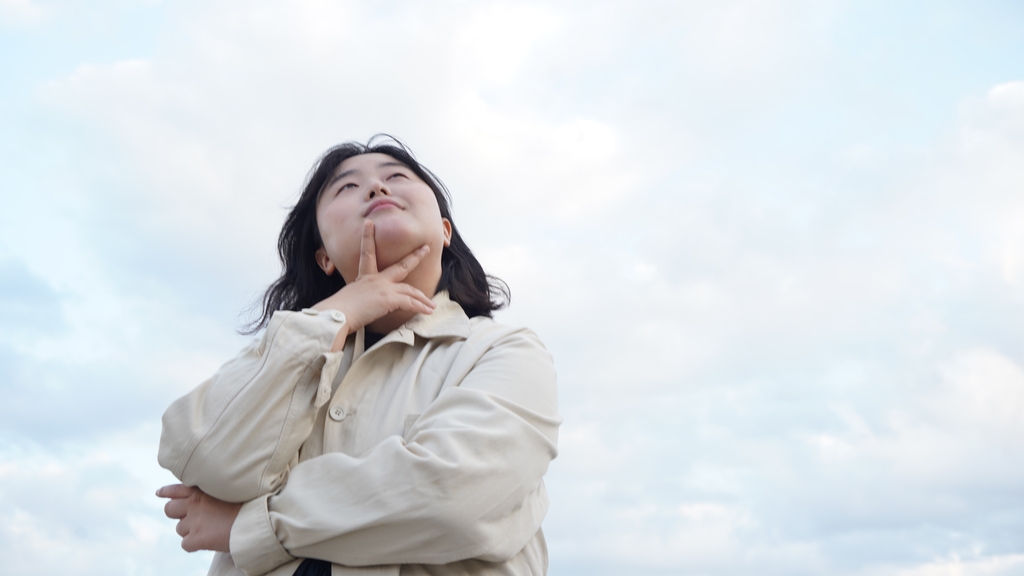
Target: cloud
x=995, y=566
x=28, y=304
x=21, y=13
x=787, y=340
x=89, y=504
x=856, y=395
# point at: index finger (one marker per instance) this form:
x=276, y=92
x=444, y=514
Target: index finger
x=399, y=270
x=367, y=251
x=175, y=491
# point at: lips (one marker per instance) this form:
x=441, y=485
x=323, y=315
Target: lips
x=382, y=203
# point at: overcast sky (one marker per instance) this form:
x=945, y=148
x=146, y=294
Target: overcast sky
x=776, y=248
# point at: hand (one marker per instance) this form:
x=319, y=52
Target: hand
x=204, y=522
x=373, y=295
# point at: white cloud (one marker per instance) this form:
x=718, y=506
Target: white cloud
x=88, y=507
x=21, y=13
x=495, y=40
x=748, y=39
x=1008, y=99
x=779, y=353
x=1002, y=565
x=985, y=393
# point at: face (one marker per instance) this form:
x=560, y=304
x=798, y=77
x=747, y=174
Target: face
x=402, y=207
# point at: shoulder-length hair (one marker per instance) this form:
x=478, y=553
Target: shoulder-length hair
x=303, y=283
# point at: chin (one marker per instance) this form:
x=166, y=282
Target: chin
x=393, y=245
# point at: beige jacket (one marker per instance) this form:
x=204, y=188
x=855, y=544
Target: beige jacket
x=421, y=455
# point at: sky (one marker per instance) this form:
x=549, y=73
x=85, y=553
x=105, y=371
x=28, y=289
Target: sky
x=775, y=247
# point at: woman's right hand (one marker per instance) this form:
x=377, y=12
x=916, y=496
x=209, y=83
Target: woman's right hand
x=375, y=294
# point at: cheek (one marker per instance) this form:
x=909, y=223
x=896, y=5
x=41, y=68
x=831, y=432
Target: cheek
x=433, y=209
x=339, y=235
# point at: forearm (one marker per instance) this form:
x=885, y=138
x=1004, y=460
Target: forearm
x=464, y=481
x=459, y=494
x=235, y=435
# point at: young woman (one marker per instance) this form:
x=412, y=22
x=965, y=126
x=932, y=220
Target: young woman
x=383, y=423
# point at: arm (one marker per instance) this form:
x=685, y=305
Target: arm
x=238, y=433
x=465, y=481
x=235, y=434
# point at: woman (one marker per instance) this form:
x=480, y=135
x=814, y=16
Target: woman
x=383, y=423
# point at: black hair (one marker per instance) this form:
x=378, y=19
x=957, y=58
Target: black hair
x=303, y=283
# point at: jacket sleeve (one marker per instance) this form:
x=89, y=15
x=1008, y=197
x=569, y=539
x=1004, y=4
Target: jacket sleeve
x=464, y=482
x=236, y=434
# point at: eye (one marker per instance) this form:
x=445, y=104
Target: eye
x=347, y=185
x=397, y=175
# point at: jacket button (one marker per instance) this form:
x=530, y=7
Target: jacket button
x=337, y=413
x=337, y=315
x=310, y=311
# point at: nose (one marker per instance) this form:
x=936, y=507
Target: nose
x=377, y=188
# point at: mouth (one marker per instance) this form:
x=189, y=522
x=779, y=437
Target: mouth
x=378, y=204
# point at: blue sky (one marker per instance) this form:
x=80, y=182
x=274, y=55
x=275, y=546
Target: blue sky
x=776, y=248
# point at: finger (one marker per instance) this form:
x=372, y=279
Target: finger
x=408, y=302
x=188, y=543
x=176, y=491
x=399, y=270
x=367, y=251
x=419, y=301
x=176, y=508
x=182, y=528
x=415, y=305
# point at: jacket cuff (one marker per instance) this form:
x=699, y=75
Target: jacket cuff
x=322, y=325
x=253, y=543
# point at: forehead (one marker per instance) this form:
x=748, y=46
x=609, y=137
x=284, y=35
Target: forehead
x=366, y=163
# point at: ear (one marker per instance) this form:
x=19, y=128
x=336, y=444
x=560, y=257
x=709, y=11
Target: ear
x=447, y=231
x=324, y=261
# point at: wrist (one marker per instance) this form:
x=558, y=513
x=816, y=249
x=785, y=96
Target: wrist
x=340, y=338
x=230, y=515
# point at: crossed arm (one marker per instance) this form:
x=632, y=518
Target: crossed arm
x=463, y=483
x=204, y=522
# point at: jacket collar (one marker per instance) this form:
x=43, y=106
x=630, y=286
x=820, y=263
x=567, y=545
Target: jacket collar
x=448, y=320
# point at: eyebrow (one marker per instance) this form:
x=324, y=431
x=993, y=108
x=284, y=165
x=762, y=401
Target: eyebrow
x=384, y=164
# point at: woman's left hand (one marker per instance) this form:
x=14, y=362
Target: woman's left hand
x=204, y=522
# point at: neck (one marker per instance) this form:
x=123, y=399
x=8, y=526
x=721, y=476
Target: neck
x=389, y=322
